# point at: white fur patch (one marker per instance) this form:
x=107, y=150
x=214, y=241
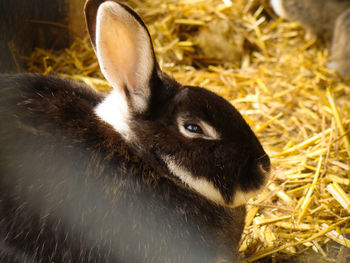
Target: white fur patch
x=115, y=111
x=277, y=6
x=207, y=188
x=200, y=185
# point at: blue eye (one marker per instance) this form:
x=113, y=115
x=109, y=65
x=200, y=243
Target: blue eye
x=193, y=128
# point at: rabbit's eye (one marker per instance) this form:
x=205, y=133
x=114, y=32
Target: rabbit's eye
x=194, y=128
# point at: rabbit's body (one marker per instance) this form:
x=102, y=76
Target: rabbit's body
x=119, y=177
x=340, y=49
x=144, y=174
x=324, y=19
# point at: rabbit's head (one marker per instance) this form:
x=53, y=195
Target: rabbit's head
x=199, y=139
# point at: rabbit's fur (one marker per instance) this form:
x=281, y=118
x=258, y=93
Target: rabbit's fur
x=327, y=19
x=340, y=49
x=147, y=173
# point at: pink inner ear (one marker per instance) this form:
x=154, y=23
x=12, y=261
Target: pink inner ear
x=124, y=51
x=116, y=52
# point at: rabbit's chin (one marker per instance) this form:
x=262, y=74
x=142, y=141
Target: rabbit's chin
x=206, y=188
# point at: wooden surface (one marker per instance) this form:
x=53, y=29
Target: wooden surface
x=25, y=25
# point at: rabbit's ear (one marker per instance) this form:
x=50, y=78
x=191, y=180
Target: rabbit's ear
x=124, y=49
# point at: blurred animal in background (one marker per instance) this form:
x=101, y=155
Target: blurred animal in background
x=327, y=19
x=219, y=40
x=152, y=172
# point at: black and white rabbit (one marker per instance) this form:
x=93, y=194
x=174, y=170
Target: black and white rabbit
x=152, y=172
x=327, y=19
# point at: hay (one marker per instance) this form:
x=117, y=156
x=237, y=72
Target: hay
x=299, y=110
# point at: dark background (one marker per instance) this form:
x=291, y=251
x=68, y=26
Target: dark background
x=26, y=24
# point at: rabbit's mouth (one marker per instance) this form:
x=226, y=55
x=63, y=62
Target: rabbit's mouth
x=252, y=185
x=242, y=197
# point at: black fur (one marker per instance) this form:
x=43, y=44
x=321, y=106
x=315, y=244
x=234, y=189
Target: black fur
x=73, y=190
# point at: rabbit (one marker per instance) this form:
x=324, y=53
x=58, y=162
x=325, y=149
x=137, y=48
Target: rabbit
x=151, y=172
x=321, y=18
x=340, y=49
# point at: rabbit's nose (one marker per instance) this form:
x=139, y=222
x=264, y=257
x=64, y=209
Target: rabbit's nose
x=264, y=163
